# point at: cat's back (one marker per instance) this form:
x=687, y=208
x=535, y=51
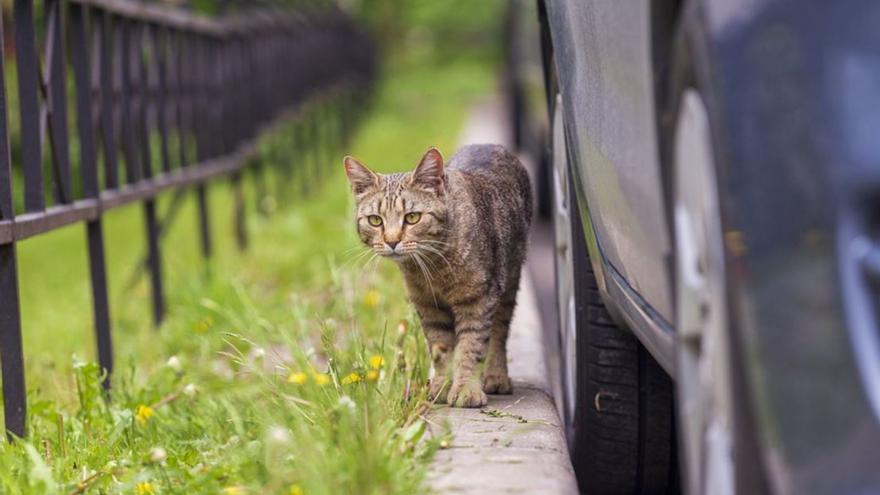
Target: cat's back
x=493, y=166
x=482, y=158
x=494, y=183
x=491, y=209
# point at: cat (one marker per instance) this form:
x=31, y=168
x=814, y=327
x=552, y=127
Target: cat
x=459, y=234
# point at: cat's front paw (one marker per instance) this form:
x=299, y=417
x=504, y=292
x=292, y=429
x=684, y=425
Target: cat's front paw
x=438, y=390
x=497, y=384
x=467, y=394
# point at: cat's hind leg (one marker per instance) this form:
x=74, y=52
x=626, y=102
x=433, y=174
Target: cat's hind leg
x=495, y=379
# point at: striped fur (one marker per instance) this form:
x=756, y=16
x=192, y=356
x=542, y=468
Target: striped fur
x=461, y=260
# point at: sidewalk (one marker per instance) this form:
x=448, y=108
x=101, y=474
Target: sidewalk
x=515, y=444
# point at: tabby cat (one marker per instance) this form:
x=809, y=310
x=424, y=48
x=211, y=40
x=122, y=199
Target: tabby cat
x=459, y=235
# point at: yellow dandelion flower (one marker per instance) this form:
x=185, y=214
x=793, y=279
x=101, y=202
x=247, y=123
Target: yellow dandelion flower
x=377, y=362
x=351, y=378
x=233, y=490
x=144, y=488
x=143, y=414
x=204, y=324
x=298, y=378
x=373, y=376
x=371, y=299
x=295, y=490
x=321, y=379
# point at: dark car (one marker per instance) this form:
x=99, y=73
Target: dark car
x=713, y=175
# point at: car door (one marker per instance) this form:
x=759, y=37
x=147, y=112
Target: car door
x=604, y=66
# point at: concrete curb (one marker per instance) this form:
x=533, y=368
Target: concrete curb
x=515, y=444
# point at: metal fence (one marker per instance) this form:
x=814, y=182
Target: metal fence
x=163, y=99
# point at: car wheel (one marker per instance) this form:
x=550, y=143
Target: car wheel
x=617, y=401
x=702, y=363
x=719, y=453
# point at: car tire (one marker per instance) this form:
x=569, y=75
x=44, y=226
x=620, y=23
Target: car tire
x=621, y=431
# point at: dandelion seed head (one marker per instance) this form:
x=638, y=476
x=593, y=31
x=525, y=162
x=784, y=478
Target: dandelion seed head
x=174, y=363
x=190, y=390
x=279, y=435
x=345, y=401
x=158, y=454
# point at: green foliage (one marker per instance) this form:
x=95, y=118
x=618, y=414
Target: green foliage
x=434, y=31
x=291, y=367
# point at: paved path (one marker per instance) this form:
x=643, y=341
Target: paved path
x=515, y=444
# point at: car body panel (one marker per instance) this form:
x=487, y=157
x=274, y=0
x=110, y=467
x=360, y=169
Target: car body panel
x=793, y=93
x=610, y=126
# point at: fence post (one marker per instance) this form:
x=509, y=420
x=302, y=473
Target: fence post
x=14, y=392
x=183, y=98
x=160, y=50
x=204, y=150
x=151, y=220
x=56, y=99
x=105, y=36
x=239, y=212
x=89, y=172
x=29, y=106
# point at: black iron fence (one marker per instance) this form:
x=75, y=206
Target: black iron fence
x=163, y=99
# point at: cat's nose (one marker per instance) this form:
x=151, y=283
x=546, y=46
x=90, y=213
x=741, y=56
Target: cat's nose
x=392, y=244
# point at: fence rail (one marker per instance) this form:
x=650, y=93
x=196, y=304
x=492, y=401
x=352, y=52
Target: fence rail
x=163, y=99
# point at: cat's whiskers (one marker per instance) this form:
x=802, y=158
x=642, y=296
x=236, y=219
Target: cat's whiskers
x=425, y=272
x=353, y=248
x=428, y=261
x=436, y=252
x=353, y=258
x=365, y=267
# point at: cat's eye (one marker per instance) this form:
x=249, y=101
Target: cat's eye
x=374, y=220
x=412, y=217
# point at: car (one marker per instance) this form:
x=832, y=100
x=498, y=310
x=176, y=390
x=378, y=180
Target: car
x=713, y=178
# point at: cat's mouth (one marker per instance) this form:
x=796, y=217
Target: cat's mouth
x=394, y=255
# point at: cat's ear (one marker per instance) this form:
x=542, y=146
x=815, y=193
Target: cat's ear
x=429, y=174
x=360, y=177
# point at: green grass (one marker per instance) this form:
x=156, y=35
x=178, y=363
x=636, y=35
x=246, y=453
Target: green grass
x=240, y=407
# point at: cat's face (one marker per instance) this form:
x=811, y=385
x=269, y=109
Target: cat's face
x=401, y=215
